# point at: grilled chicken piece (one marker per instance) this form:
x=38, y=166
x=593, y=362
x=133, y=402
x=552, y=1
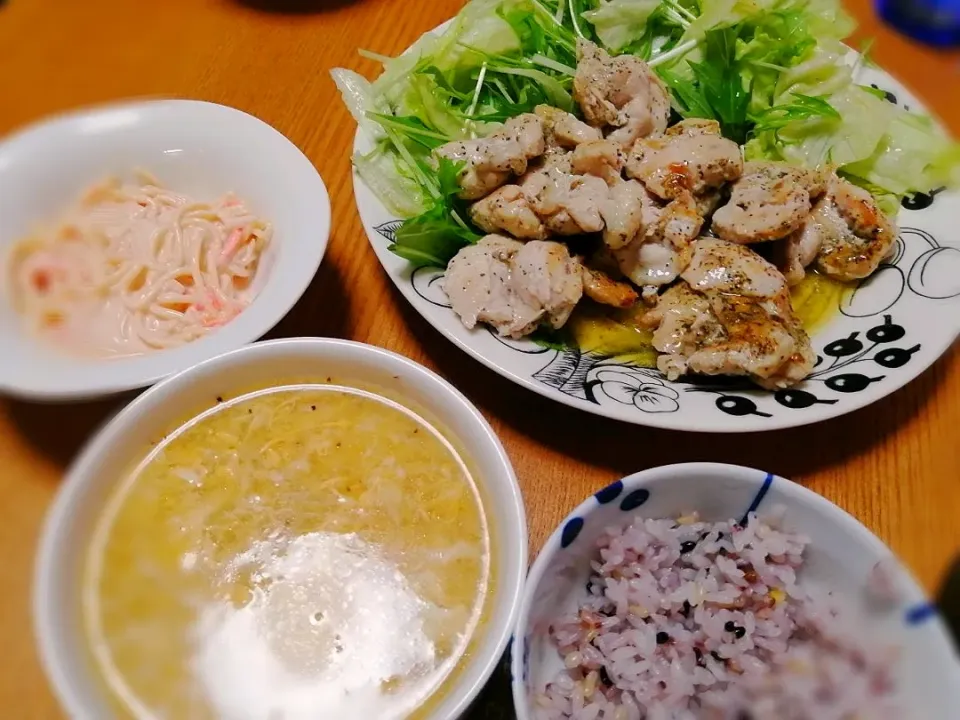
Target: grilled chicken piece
x=855, y=236
x=567, y=204
x=708, y=202
x=725, y=267
x=628, y=207
x=730, y=315
x=847, y=236
x=679, y=223
x=692, y=157
x=513, y=286
x=601, y=158
x=683, y=324
x=563, y=130
x=477, y=282
x=628, y=210
x=658, y=255
x=546, y=277
x=620, y=92
x=770, y=201
x=797, y=251
x=491, y=161
x=693, y=127
x=601, y=288
x=549, y=199
x=508, y=209
x=764, y=341
x=651, y=263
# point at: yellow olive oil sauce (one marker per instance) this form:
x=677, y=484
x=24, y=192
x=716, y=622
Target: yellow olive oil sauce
x=297, y=551
x=817, y=299
x=619, y=333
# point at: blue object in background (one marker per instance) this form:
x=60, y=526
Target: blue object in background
x=935, y=22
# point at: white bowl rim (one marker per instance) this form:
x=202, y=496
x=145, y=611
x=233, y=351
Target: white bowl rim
x=247, y=327
x=79, y=475
x=653, y=475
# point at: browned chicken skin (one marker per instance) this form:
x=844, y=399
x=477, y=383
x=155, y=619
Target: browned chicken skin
x=601, y=288
x=845, y=235
x=693, y=157
x=855, y=235
x=730, y=315
x=769, y=201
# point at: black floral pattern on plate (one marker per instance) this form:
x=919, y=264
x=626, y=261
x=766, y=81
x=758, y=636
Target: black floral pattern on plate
x=600, y=379
x=919, y=265
x=389, y=229
x=921, y=201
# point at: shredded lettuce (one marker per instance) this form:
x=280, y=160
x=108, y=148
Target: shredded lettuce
x=380, y=168
x=618, y=23
x=360, y=98
x=849, y=133
x=913, y=156
x=822, y=74
x=884, y=148
x=774, y=73
x=400, y=194
x=716, y=14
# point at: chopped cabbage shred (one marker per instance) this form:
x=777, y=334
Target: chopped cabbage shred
x=774, y=73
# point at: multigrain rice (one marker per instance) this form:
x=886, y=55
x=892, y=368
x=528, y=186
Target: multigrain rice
x=687, y=619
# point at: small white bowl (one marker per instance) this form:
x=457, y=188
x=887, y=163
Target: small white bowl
x=197, y=148
x=57, y=614
x=841, y=556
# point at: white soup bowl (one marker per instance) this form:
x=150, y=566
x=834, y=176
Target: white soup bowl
x=125, y=439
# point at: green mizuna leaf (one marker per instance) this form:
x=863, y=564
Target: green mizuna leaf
x=435, y=236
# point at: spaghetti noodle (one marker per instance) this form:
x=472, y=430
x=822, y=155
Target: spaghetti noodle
x=135, y=267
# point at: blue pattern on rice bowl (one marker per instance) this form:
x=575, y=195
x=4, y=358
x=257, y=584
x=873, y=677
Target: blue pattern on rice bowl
x=692, y=620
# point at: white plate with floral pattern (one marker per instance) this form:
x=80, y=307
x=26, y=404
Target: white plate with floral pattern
x=888, y=331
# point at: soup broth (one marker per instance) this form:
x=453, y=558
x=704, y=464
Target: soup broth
x=304, y=551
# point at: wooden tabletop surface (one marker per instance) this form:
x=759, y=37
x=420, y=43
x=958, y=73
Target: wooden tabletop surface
x=894, y=465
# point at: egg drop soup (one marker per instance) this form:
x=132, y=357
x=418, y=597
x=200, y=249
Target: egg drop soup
x=306, y=551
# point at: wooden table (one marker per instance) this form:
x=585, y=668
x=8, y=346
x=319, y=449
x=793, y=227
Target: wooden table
x=895, y=465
